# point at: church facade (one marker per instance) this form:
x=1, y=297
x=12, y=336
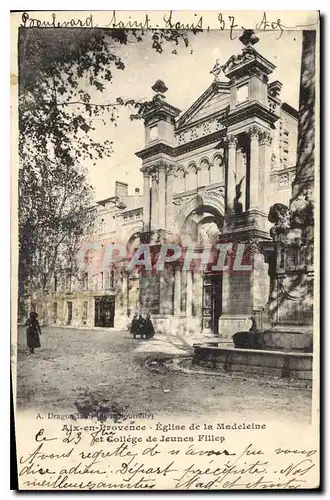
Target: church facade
x=210, y=175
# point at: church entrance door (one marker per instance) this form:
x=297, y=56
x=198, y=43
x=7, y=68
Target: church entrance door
x=104, y=312
x=212, y=302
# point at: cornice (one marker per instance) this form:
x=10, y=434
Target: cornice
x=252, y=109
x=161, y=147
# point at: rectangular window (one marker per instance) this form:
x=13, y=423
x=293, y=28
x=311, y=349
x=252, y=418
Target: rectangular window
x=112, y=279
x=101, y=280
x=54, y=312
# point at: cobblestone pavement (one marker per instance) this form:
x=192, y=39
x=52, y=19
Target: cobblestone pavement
x=112, y=368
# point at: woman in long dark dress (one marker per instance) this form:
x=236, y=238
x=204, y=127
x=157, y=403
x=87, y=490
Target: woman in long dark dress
x=149, y=328
x=135, y=325
x=33, y=332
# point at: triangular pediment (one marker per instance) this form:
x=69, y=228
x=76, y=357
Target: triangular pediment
x=214, y=100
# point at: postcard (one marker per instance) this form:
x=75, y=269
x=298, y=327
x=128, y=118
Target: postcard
x=165, y=245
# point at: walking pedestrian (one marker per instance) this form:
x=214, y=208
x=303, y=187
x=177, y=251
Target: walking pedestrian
x=135, y=325
x=33, y=332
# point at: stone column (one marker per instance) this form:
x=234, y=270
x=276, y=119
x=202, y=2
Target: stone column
x=161, y=195
x=189, y=295
x=177, y=292
x=241, y=176
x=204, y=174
x=154, y=200
x=212, y=173
x=194, y=173
x=198, y=293
x=184, y=177
x=128, y=298
x=146, y=200
x=180, y=185
x=232, y=141
x=169, y=197
x=265, y=152
x=199, y=173
x=254, y=132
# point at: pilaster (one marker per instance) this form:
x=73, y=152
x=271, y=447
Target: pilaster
x=154, y=200
x=265, y=152
x=232, y=142
x=254, y=187
x=146, y=200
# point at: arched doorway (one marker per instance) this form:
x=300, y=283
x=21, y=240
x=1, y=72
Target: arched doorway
x=202, y=226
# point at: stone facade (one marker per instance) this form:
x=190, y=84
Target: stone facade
x=210, y=175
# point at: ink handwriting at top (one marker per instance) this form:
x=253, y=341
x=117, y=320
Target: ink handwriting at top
x=30, y=22
x=194, y=22
x=265, y=24
x=197, y=25
x=229, y=25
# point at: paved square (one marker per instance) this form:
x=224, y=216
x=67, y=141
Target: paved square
x=111, y=367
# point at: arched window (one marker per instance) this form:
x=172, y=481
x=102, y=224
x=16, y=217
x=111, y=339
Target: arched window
x=205, y=172
x=219, y=168
x=191, y=177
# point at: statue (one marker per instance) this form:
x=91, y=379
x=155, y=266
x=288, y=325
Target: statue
x=230, y=63
x=238, y=206
x=217, y=69
x=279, y=215
x=302, y=210
x=248, y=39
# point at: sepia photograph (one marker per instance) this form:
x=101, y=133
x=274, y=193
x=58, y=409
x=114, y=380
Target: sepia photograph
x=165, y=277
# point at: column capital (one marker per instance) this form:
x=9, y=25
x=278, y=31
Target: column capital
x=231, y=140
x=254, y=132
x=171, y=169
x=146, y=173
x=265, y=138
x=182, y=169
x=154, y=175
x=161, y=165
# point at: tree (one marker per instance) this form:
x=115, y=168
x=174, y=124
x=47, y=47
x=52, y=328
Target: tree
x=57, y=70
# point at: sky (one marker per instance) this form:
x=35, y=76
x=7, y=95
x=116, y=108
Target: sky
x=187, y=76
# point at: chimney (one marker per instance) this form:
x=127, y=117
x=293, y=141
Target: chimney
x=121, y=189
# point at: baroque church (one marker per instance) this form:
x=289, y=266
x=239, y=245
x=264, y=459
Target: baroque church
x=210, y=175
